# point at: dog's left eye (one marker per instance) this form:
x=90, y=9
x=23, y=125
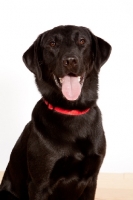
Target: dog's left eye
x=52, y=44
x=82, y=41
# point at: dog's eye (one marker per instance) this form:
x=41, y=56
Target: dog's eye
x=82, y=41
x=52, y=44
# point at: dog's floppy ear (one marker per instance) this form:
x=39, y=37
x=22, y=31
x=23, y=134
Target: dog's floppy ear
x=102, y=51
x=31, y=58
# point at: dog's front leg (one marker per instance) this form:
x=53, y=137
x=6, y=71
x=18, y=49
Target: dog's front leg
x=89, y=192
x=92, y=173
x=37, y=192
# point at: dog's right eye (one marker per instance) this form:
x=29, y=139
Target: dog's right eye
x=52, y=43
x=82, y=41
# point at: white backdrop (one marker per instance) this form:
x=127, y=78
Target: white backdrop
x=22, y=21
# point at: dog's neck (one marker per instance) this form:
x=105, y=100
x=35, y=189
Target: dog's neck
x=65, y=111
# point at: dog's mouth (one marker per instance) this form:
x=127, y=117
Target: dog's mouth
x=70, y=85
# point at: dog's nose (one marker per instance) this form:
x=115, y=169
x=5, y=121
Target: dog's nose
x=70, y=62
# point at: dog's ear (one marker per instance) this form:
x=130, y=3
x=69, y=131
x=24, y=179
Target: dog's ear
x=102, y=51
x=31, y=58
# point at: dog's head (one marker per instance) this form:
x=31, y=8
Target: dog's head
x=66, y=61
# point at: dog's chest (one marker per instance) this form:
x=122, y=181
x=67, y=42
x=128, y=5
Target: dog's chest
x=72, y=172
x=65, y=167
x=78, y=162
x=65, y=155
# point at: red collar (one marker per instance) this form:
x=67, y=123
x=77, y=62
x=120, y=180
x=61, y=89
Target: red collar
x=64, y=111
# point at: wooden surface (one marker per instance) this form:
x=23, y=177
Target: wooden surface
x=115, y=187
x=112, y=186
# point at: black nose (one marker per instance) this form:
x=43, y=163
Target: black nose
x=70, y=62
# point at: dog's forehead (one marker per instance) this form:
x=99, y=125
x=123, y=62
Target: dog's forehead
x=68, y=32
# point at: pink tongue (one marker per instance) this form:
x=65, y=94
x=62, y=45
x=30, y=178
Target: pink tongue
x=71, y=87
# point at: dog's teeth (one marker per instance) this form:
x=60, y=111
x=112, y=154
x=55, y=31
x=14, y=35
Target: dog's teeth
x=79, y=78
x=60, y=80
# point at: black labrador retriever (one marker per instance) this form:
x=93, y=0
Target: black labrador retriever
x=60, y=151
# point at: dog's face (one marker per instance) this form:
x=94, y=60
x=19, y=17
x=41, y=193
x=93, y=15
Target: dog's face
x=66, y=61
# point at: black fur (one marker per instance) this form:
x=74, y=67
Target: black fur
x=58, y=156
